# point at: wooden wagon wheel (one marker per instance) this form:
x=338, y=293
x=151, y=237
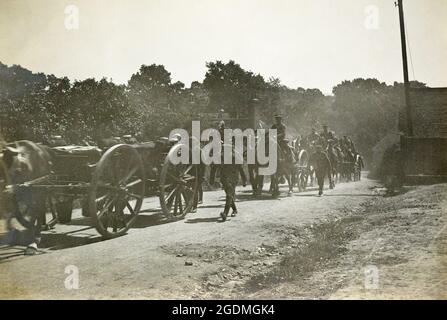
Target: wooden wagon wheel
x=116, y=190
x=178, y=186
x=24, y=206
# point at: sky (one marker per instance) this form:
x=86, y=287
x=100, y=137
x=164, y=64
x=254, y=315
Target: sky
x=304, y=43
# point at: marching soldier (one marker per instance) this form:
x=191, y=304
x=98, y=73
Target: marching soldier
x=221, y=127
x=229, y=177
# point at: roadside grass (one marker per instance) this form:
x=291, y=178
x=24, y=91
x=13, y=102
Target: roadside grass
x=327, y=242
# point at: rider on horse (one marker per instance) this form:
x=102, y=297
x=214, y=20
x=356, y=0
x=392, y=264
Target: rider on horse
x=312, y=138
x=281, y=136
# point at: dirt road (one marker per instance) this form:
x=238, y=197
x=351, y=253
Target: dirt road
x=301, y=246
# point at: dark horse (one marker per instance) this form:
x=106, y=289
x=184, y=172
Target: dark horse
x=25, y=161
x=285, y=168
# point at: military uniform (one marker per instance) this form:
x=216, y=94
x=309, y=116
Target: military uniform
x=229, y=177
x=281, y=138
x=312, y=138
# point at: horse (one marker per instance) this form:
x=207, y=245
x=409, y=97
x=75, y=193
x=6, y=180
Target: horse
x=332, y=153
x=24, y=161
x=285, y=169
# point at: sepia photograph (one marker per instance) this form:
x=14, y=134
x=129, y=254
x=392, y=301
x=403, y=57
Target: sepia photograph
x=244, y=152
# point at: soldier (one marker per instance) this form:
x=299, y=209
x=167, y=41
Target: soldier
x=348, y=145
x=313, y=137
x=325, y=136
x=322, y=166
x=352, y=146
x=280, y=127
x=281, y=135
x=326, y=133
x=229, y=176
x=221, y=128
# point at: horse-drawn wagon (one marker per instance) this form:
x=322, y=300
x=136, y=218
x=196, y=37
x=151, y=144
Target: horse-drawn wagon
x=110, y=185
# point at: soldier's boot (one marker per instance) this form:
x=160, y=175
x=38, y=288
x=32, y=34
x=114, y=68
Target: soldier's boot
x=233, y=207
x=223, y=215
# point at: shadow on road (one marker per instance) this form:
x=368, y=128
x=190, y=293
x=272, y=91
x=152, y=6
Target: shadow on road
x=8, y=252
x=199, y=220
x=337, y=195
x=13, y=243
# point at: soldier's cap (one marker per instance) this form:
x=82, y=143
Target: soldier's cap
x=277, y=115
x=127, y=136
x=175, y=137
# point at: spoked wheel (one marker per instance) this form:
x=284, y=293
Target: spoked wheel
x=116, y=191
x=178, y=186
x=27, y=204
x=23, y=207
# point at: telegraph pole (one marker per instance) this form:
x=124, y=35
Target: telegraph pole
x=405, y=68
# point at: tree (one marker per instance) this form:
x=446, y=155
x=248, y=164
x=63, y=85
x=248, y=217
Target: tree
x=231, y=88
x=160, y=104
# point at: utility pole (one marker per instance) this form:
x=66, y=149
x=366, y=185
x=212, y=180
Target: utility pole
x=405, y=68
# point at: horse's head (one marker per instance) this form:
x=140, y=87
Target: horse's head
x=8, y=156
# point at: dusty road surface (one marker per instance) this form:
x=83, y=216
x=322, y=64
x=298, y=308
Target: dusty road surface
x=351, y=243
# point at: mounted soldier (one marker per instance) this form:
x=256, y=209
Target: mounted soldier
x=325, y=134
x=281, y=136
x=313, y=137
